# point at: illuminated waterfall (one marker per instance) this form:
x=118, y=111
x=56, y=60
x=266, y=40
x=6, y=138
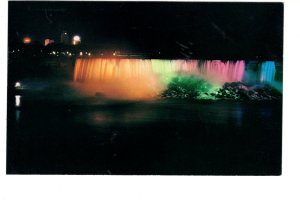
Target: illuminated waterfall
x=222, y=72
x=147, y=78
x=167, y=69
x=109, y=69
x=267, y=71
x=96, y=69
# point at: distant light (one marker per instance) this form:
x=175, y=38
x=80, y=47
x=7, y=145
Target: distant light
x=17, y=84
x=53, y=52
x=76, y=40
x=26, y=40
x=17, y=100
x=80, y=53
x=48, y=41
x=114, y=53
x=89, y=54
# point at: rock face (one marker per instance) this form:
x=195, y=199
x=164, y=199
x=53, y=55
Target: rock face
x=240, y=91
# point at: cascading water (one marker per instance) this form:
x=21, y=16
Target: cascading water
x=267, y=75
x=167, y=69
x=267, y=71
x=221, y=72
x=147, y=78
x=109, y=69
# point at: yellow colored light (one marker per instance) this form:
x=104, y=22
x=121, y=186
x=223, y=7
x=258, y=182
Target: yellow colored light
x=76, y=38
x=17, y=84
x=17, y=100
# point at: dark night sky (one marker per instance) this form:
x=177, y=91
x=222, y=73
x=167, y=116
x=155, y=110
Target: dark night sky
x=212, y=29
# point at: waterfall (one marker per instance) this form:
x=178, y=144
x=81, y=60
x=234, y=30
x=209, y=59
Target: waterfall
x=147, y=78
x=97, y=69
x=222, y=72
x=267, y=71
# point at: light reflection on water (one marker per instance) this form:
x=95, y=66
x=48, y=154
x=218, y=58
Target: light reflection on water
x=126, y=136
x=99, y=118
x=239, y=115
x=18, y=100
x=145, y=113
x=18, y=113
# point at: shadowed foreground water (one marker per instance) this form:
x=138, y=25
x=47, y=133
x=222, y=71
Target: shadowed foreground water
x=96, y=136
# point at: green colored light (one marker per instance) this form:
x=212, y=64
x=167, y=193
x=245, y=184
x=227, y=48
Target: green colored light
x=190, y=87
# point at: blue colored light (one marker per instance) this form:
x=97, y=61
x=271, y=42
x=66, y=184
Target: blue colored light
x=267, y=71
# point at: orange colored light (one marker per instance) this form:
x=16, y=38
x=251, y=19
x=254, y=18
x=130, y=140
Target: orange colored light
x=27, y=40
x=117, y=78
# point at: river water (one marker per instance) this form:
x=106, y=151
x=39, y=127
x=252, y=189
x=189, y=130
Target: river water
x=162, y=137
